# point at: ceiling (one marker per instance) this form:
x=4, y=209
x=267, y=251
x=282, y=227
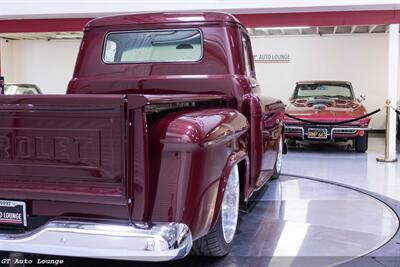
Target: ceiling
x=24, y=9
x=42, y=35
x=276, y=31
x=337, y=30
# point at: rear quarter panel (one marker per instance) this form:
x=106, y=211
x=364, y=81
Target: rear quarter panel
x=191, y=152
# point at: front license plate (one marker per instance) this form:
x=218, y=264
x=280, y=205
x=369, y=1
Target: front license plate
x=317, y=133
x=12, y=213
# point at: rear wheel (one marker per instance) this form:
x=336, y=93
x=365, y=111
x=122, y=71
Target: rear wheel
x=278, y=163
x=361, y=143
x=218, y=241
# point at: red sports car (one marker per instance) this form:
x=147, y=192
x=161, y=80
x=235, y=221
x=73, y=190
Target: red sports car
x=320, y=105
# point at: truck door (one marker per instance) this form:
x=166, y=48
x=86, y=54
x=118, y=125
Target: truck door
x=265, y=124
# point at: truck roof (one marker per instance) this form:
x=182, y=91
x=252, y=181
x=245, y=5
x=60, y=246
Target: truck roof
x=162, y=18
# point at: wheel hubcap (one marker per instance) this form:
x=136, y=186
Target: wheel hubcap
x=230, y=205
x=279, y=156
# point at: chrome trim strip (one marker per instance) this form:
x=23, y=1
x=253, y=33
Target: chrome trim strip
x=355, y=129
x=344, y=131
x=103, y=239
x=301, y=129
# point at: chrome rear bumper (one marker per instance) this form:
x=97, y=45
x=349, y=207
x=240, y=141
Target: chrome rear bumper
x=104, y=239
x=333, y=130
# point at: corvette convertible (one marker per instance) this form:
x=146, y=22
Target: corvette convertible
x=316, y=108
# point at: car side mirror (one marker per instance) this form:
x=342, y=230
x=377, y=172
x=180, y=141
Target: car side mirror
x=361, y=98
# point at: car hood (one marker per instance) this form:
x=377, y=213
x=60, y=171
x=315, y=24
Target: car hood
x=325, y=109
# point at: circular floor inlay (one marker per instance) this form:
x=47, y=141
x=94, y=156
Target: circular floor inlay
x=296, y=222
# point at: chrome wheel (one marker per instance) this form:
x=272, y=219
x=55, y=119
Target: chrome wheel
x=278, y=165
x=230, y=205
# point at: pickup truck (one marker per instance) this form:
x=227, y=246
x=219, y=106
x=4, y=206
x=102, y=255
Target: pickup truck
x=161, y=135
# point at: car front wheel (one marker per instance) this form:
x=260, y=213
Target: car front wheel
x=361, y=143
x=218, y=241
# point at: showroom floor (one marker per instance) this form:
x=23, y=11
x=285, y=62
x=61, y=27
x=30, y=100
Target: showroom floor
x=337, y=164
x=305, y=220
x=298, y=222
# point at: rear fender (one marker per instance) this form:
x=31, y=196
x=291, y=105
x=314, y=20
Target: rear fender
x=191, y=154
x=241, y=159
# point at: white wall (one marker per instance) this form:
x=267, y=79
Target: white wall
x=360, y=59
x=7, y=65
x=48, y=64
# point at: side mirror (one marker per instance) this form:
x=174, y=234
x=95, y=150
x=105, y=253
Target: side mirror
x=361, y=98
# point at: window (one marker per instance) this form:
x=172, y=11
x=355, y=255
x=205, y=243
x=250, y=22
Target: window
x=21, y=89
x=323, y=90
x=247, y=53
x=110, y=51
x=153, y=46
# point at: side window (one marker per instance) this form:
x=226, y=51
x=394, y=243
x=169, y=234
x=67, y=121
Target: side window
x=247, y=55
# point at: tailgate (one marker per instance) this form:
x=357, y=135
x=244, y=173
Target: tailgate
x=63, y=148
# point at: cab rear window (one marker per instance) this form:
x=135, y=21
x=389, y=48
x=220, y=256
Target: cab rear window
x=153, y=46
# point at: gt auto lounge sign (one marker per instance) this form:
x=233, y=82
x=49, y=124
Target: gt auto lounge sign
x=272, y=58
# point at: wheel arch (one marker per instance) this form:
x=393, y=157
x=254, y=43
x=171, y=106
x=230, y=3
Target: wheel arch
x=190, y=165
x=240, y=159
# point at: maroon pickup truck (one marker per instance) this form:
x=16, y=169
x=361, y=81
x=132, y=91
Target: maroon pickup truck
x=160, y=137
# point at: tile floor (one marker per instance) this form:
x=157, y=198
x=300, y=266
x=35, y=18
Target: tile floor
x=336, y=163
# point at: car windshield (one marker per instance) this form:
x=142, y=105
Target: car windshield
x=321, y=90
x=21, y=89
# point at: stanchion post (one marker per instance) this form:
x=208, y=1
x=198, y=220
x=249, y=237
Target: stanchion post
x=392, y=75
x=387, y=157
